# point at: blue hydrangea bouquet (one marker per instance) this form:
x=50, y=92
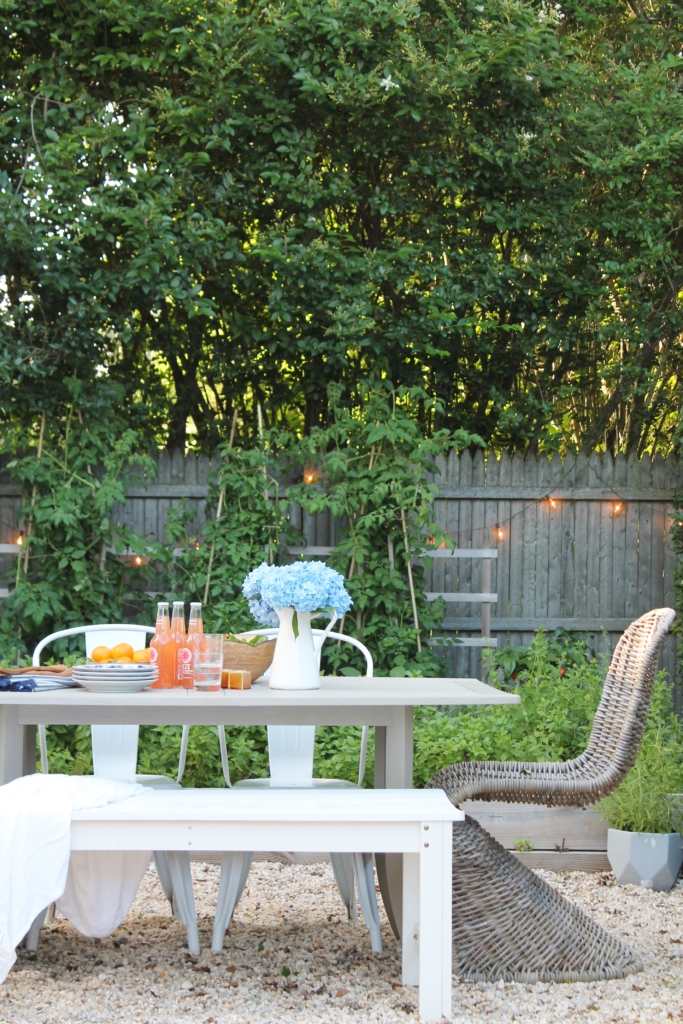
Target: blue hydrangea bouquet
x=289, y=597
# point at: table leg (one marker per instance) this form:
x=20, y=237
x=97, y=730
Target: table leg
x=393, y=770
x=17, y=745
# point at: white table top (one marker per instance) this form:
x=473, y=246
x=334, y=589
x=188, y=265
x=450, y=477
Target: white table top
x=277, y=805
x=335, y=692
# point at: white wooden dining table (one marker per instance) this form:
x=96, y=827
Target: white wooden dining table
x=386, y=703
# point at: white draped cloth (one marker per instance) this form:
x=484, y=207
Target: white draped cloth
x=94, y=890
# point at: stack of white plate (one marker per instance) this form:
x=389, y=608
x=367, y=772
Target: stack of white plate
x=111, y=678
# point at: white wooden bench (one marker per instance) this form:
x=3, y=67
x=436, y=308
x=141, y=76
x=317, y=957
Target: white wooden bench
x=416, y=823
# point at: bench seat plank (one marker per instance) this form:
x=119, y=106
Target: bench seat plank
x=400, y=805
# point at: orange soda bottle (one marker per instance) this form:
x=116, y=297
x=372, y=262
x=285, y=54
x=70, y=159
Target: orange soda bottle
x=179, y=639
x=195, y=629
x=162, y=649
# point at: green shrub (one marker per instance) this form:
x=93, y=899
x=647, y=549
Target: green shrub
x=643, y=802
x=552, y=722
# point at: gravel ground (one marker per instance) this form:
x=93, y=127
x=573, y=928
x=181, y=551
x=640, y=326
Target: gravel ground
x=291, y=955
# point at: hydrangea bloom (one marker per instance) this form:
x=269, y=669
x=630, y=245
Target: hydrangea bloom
x=263, y=613
x=304, y=586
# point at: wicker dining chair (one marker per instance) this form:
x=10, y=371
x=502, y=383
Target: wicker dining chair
x=507, y=922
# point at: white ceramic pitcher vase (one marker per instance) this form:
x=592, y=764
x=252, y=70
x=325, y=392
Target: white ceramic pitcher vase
x=296, y=663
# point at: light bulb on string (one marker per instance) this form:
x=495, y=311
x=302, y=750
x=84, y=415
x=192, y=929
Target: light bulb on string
x=310, y=475
x=499, y=531
x=553, y=502
x=617, y=508
x=20, y=538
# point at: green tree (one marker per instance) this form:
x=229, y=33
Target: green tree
x=223, y=204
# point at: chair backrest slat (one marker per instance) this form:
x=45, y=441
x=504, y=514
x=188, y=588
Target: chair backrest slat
x=620, y=720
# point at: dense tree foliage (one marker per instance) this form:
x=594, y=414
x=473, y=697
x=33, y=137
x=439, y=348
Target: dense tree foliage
x=226, y=203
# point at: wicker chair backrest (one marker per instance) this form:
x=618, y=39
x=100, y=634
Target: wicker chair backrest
x=622, y=713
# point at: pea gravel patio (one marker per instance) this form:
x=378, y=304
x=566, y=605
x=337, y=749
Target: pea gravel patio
x=291, y=920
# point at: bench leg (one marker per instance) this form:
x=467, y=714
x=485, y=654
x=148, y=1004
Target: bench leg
x=435, y=934
x=234, y=871
x=183, y=896
x=342, y=867
x=365, y=880
x=410, y=930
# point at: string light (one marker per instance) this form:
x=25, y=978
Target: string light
x=138, y=560
x=20, y=538
x=553, y=503
x=499, y=531
x=310, y=475
x=617, y=508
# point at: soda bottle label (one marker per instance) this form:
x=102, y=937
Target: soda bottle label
x=153, y=655
x=185, y=655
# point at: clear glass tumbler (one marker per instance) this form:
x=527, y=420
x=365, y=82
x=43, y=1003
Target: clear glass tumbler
x=208, y=662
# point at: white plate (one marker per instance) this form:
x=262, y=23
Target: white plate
x=112, y=666
x=96, y=670
x=115, y=670
x=119, y=675
x=146, y=679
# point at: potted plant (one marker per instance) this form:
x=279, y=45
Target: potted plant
x=644, y=813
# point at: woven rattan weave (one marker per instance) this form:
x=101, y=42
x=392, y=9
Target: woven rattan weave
x=507, y=923
x=615, y=737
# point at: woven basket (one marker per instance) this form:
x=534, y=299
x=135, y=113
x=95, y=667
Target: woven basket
x=250, y=659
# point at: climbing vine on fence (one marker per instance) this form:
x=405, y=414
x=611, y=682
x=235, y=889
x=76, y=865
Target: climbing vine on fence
x=72, y=472
x=373, y=472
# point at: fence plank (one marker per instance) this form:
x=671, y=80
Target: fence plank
x=581, y=539
x=542, y=538
x=529, y=533
x=555, y=543
x=567, y=509
x=604, y=472
x=645, y=542
x=619, y=541
x=632, y=552
x=503, y=560
x=462, y=568
x=517, y=545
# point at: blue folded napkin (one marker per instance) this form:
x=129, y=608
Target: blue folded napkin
x=28, y=684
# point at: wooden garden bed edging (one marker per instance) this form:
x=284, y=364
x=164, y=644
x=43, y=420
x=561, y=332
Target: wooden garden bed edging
x=563, y=838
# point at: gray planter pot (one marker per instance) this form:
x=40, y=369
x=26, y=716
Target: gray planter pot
x=644, y=858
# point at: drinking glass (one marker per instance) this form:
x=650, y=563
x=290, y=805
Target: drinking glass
x=208, y=662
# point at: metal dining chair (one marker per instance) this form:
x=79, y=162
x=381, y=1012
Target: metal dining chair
x=115, y=755
x=290, y=755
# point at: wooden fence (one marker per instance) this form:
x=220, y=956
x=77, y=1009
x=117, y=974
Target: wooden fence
x=582, y=543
